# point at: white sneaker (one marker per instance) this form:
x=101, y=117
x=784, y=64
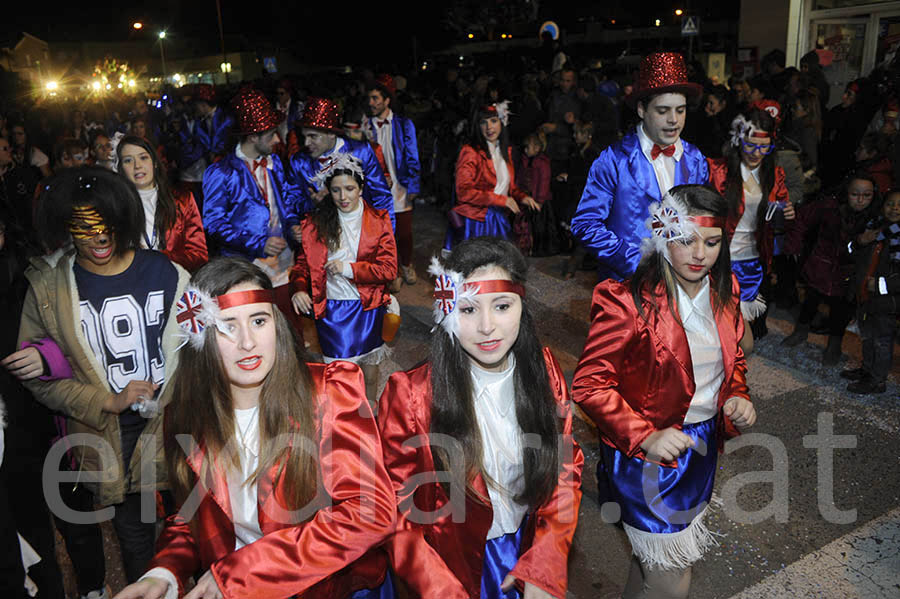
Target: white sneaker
x=98, y=594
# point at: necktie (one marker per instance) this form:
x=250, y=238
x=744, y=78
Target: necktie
x=667, y=151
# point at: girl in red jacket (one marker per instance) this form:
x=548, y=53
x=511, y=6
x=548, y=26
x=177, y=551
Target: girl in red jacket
x=663, y=378
x=490, y=408
x=173, y=223
x=275, y=463
x=486, y=191
x=348, y=257
x=755, y=190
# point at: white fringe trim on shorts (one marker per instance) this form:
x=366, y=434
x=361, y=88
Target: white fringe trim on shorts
x=676, y=550
x=754, y=308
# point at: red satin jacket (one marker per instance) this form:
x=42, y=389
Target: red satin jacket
x=186, y=241
x=635, y=376
x=475, y=181
x=328, y=555
x=376, y=264
x=444, y=558
x=765, y=237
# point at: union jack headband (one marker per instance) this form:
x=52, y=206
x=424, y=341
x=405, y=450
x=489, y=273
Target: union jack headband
x=196, y=309
x=450, y=290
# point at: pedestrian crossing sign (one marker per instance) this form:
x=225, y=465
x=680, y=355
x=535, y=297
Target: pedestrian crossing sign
x=690, y=26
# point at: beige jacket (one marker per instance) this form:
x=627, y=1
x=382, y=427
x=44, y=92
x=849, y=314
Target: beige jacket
x=52, y=310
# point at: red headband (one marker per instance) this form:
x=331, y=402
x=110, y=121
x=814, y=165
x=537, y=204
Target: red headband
x=241, y=298
x=708, y=221
x=758, y=133
x=496, y=286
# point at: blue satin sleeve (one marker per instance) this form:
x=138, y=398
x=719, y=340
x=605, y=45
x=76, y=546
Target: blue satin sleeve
x=299, y=174
x=229, y=217
x=412, y=166
x=377, y=192
x=590, y=221
x=219, y=142
x=291, y=198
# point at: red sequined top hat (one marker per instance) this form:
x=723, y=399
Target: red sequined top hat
x=254, y=112
x=662, y=73
x=386, y=82
x=323, y=114
x=205, y=92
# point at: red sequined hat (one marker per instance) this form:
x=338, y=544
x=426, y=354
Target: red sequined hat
x=205, y=92
x=321, y=113
x=663, y=73
x=254, y=112
x=386, y=82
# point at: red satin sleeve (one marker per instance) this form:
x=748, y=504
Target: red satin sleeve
x=401, y=416
x=177, y=550
x=595, y=387
x=473, y=188
x=383, y=269
x=186, y=243
x=299, y=275
x=545, y=563
x=361, y=513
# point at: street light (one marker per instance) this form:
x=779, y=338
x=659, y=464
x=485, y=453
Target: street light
x=678, y=12
x=162, y=54
x=138, y=25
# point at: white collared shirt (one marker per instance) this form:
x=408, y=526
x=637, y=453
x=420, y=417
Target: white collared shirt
x=341, y=287
x=501, y=445
x=149, y=239
x=743, y=241
x=706, y=352
x=502, y=186
x=663, y=166
x=384, y=135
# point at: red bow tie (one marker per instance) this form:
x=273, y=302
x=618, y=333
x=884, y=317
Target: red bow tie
x=326, y=161
x=263, y=162
x=667, y=151
x=380, y=123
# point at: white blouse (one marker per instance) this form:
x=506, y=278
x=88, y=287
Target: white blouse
x=501, y=439
x=706, y=353
x=743, y=242
x=341, y=287
x=502, y=186
x=148, y=199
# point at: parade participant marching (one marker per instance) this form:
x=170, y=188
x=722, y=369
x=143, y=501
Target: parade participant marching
x=323, y=141
x=486, y=191
x=285, y=455
x=172, y=221
x=396, y=135
x=486, y=389
x=638, y=170
x=663, y=378
x=744, y=176
x=346, y=261
x=251, y=209
x=109, y=306
x=203, y=138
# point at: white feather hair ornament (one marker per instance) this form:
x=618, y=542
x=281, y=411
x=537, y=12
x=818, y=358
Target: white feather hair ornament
x=668, y=222
x=503, y=111
x=341, y=161
x=741, y=129
x=449, y=291
x=195, y=310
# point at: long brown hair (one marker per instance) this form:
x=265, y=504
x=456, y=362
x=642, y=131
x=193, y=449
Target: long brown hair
x=325, y=216
x=166, y=212
x=734, y=180
x=202, y=406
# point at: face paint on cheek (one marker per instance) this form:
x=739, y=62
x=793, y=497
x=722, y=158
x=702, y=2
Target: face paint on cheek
x=86, y=223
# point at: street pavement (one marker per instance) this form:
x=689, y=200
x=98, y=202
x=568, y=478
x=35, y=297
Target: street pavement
x=810, y=500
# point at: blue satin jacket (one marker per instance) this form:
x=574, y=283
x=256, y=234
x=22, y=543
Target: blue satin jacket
x=234, y=210
x=611, y=216
x=406, y=151
x=203, y=142
x=377, y=193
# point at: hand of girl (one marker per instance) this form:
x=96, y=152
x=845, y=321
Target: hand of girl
x=301, y=302
x=788, y=211
x=148, y=588
x=206, y=588
x=512, y=205
x=25, y=364
x=740, y=411
x=531, y=591
x=297, y=233
x=334, y=267
x=868, y=236
x=134, y=392
x=529, y=202
x=666, y=445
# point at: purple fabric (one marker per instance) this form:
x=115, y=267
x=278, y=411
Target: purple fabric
x=57, y=365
